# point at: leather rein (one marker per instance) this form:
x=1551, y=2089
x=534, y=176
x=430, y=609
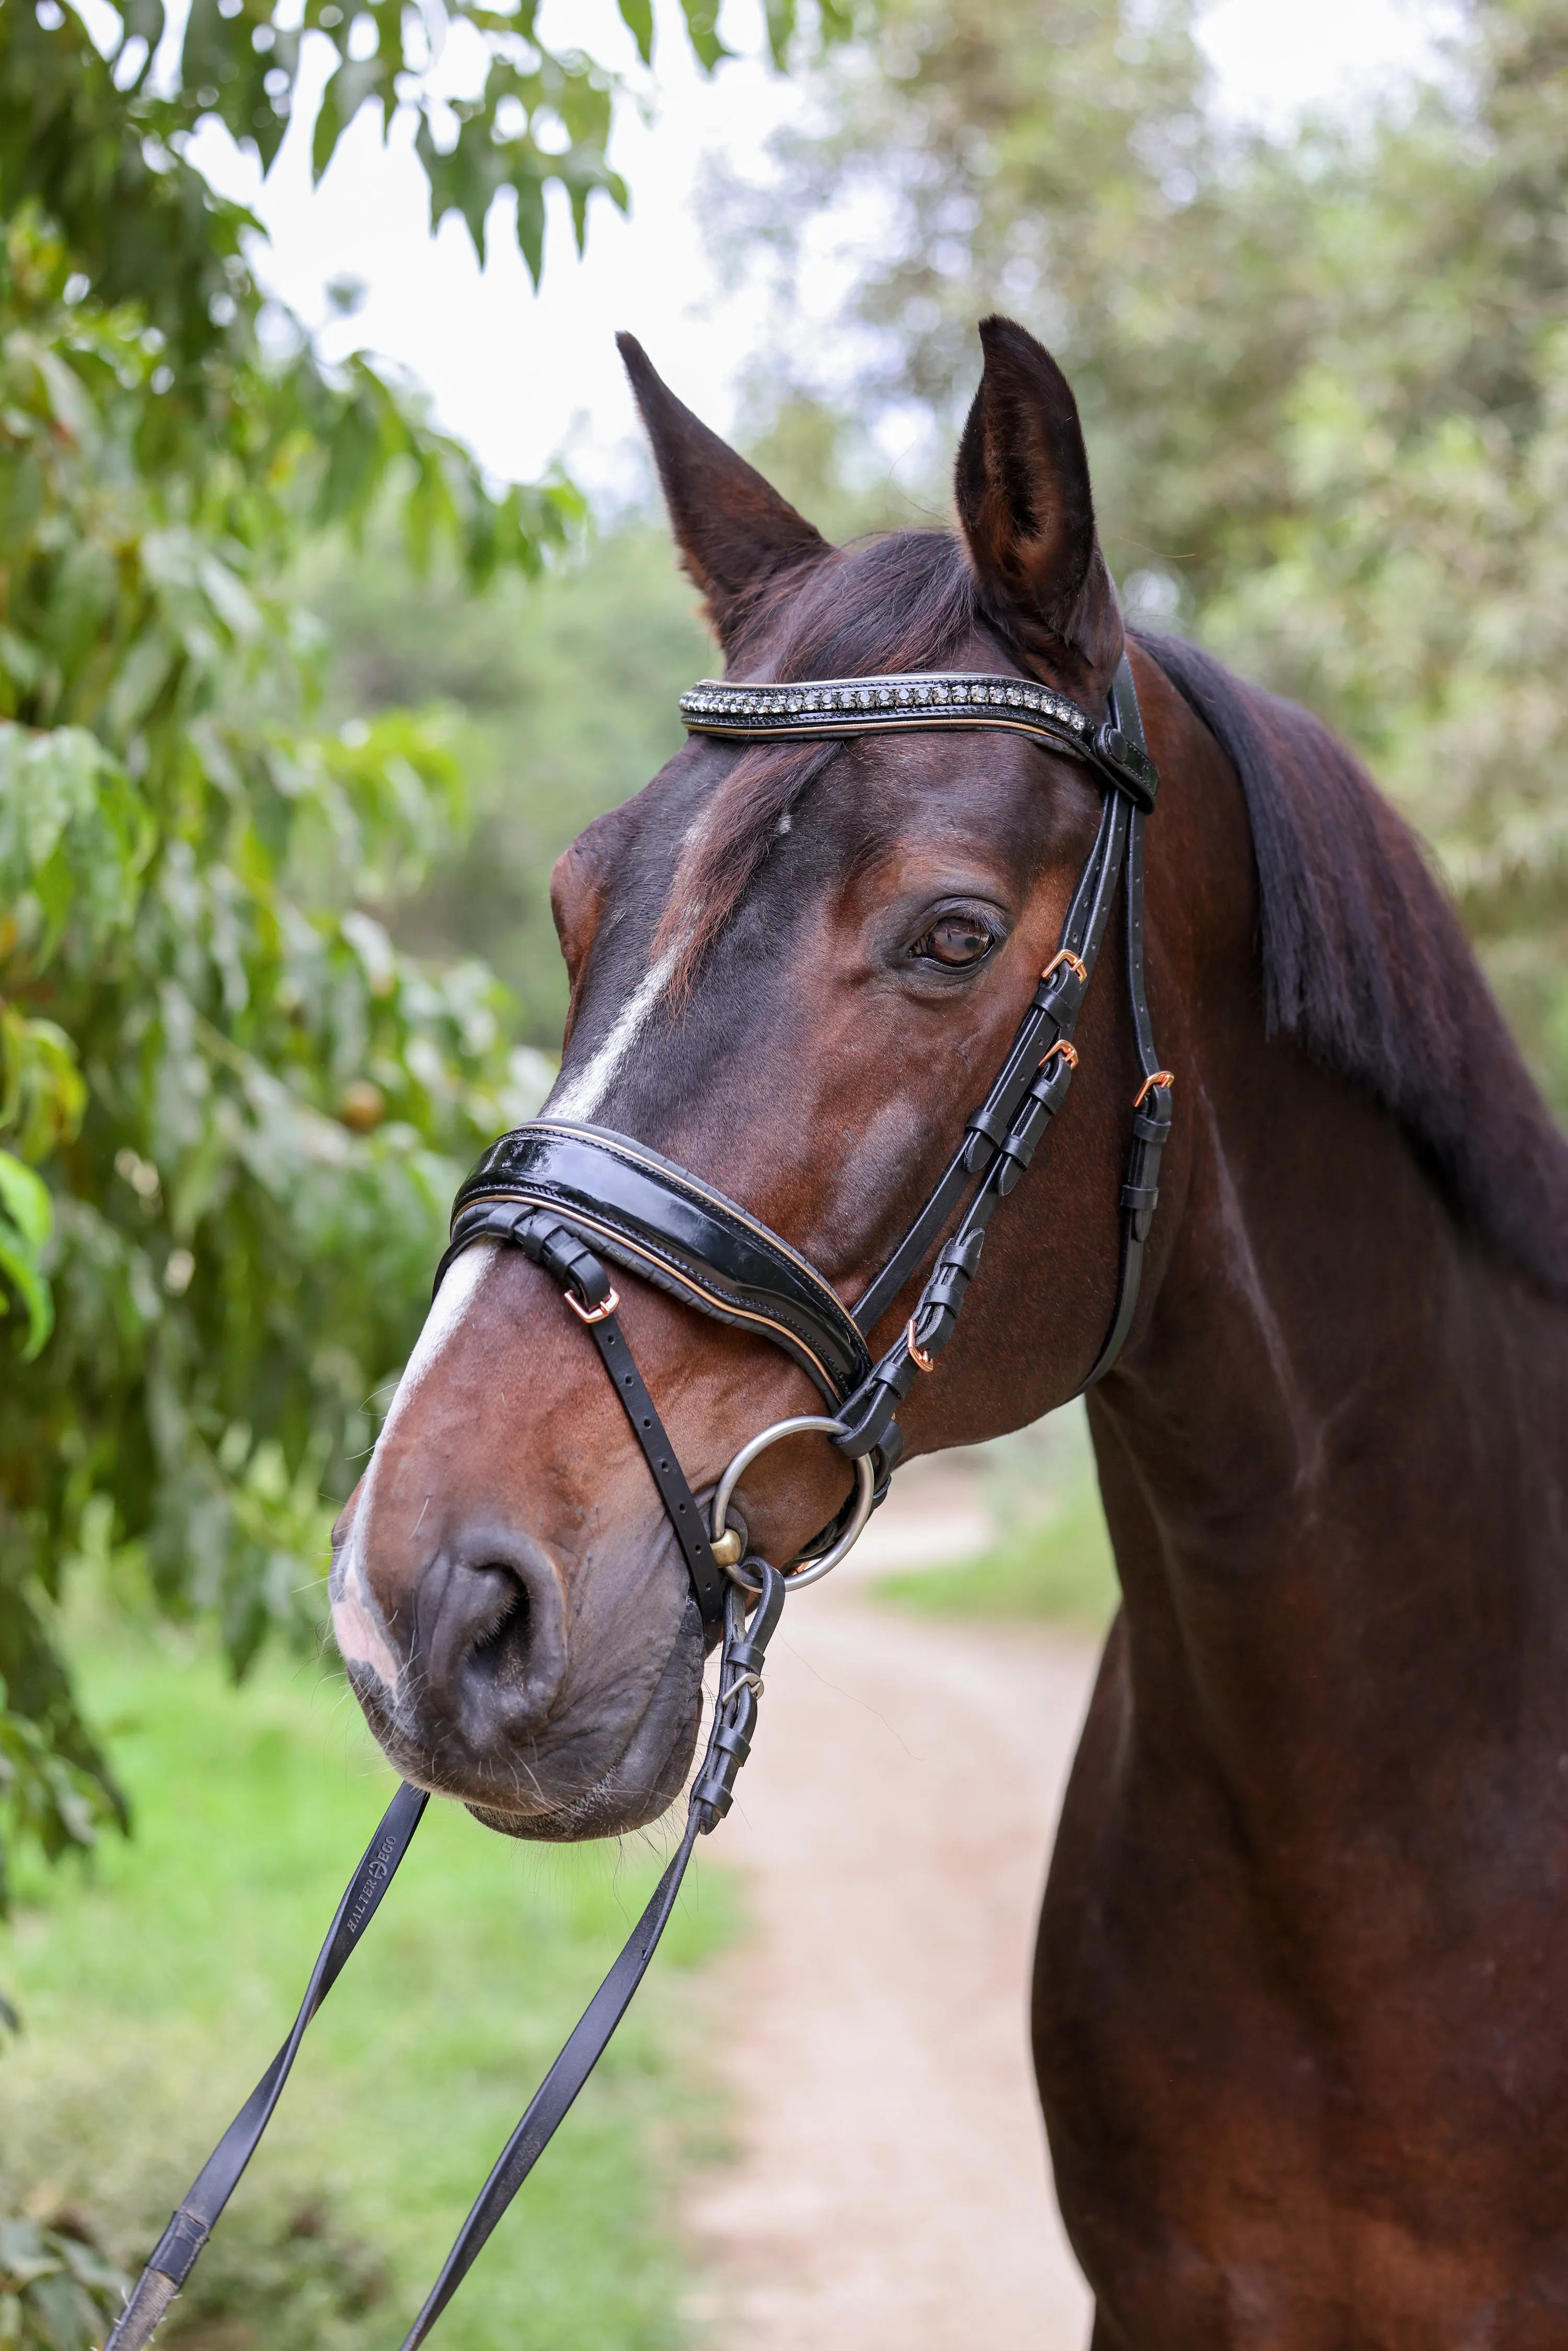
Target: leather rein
x=578, y=1199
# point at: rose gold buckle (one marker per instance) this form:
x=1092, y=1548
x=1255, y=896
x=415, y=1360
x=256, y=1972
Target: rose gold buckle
x=1160, y=1078
x=917, y=1354
x=1075, y=965
x=1068, y=1052
x=594, y=1313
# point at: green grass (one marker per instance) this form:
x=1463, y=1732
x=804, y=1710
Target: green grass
x=154, y=1990
x=1053, y=1562
x=1058, y=1568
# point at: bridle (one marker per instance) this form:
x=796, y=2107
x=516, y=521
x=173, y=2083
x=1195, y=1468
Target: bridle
x=577, y=1198
x=572, y=1196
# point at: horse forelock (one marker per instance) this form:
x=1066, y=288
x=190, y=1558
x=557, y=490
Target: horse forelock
x=1367, y=967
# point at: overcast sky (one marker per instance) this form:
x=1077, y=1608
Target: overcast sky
x=523, y=377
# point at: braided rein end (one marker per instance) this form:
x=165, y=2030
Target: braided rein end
x=144, y=2313
x=739, y=1687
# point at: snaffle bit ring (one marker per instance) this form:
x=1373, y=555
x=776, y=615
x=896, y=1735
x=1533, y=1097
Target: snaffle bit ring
x=865, y=1478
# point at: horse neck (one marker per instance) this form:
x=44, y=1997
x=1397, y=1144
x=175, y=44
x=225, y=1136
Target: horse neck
x=1334, y=1471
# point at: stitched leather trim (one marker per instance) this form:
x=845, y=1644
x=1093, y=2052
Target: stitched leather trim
x=669, y=1274
x=715, y=1253
x=642, y=1155
x=609, y=1174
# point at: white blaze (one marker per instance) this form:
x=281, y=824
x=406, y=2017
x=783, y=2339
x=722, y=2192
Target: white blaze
x=355, y=1619
x=579, y=1096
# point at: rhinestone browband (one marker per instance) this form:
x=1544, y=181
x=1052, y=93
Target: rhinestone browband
x=870, y=705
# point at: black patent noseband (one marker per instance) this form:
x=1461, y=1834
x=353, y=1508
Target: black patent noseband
x=572, y=1196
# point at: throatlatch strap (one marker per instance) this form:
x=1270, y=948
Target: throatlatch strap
x=1152, y=1109
x=176, y=2253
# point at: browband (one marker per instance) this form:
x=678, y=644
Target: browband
x=924, y=699
x=658, y=1220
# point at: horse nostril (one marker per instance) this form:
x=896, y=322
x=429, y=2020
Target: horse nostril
x=500, y=1654
x=488, y=1651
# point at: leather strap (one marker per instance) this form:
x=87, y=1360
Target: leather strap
x=681, y=1507
x=729, y=1744
x=639, y=1209
x=1002, y=1139
x=1052, y=1013
x=542, y=1236
x=1152, y=1111
x=177, y=2251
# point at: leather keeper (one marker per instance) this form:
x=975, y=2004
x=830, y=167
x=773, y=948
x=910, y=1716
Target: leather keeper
x=180, y=2245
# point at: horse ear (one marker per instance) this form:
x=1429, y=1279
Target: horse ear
x=734, y=531
x=1028, y=514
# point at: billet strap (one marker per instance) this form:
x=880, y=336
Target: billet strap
x=177, y=2251
x=729, y=1744
x=926, y=699
x=629, y=1204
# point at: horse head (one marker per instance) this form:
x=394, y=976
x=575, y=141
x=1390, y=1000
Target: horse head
x=795, y=967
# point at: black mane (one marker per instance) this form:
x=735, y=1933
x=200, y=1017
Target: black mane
x=1366, y=968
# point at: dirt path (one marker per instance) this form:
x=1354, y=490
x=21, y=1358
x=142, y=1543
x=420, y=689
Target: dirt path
x=891, y=2190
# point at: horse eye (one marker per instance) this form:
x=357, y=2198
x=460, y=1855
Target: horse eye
x=956, y=940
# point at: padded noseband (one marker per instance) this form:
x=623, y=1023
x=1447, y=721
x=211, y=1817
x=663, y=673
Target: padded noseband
x=654, y=1219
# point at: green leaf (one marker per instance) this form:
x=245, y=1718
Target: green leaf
x=26, y=1200
x=702, y=31
x=349, y=88
x=531, y=222
x=780, y=16
x=637, y=15
x=26, y=1218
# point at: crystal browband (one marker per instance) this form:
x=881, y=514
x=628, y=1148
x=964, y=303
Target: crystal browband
x=871, y=705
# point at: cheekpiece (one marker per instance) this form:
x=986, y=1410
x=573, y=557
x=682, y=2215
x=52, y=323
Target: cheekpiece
x=923, y=699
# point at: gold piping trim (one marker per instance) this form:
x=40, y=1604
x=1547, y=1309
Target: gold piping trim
x=731, y=1310
x=655, y=1167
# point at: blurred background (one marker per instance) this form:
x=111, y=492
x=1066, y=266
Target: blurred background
x=334, y=600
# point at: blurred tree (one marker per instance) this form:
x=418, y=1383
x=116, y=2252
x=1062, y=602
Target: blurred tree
x=245, y=1110
x=1325, y=384
x=543, y=746
x=231, y=1113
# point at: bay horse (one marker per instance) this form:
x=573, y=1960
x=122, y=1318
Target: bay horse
x=1300, y=1998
